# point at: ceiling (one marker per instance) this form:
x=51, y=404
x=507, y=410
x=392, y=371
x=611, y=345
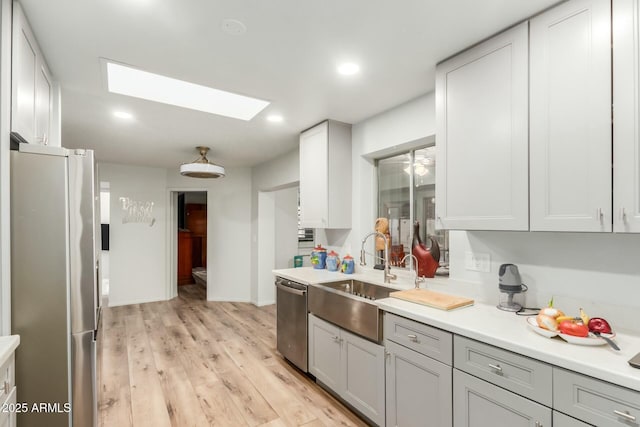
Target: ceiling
x=287, y=56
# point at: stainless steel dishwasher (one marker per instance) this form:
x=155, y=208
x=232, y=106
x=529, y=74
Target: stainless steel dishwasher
x=291, y=312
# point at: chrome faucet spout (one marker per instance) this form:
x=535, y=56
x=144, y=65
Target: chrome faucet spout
x=388, y=276
x=418, y=279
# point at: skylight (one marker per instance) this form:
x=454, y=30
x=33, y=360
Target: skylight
x=154, y=87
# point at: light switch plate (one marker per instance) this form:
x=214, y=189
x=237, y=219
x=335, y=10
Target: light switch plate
x=477, y=262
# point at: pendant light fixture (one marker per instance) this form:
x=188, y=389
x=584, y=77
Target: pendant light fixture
x=202, y=167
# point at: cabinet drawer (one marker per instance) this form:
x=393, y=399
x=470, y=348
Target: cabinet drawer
x=520, y=374
x=594, y=401
x=562, y=420
x=7, y=377
x=478, y=403
x=424, y=339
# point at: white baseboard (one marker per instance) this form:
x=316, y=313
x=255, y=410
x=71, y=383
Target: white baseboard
x=131, y=302
x=223, y=299
x=263, y=303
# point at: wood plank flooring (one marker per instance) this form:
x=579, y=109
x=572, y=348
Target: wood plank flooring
x=190, y=362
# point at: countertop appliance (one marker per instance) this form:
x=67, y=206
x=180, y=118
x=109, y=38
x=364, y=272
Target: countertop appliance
x=291, y=312
x=510, y=285
x=54, y=283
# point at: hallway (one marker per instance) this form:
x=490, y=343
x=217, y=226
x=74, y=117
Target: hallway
x=189, y=362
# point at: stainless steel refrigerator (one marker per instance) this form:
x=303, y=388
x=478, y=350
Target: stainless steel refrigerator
x=54, y=284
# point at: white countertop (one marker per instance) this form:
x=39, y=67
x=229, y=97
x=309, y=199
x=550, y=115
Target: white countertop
x=8, y=345
x=485, y=323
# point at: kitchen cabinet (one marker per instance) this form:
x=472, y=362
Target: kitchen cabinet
x=479, y=403
x=570, y=117
x=8, y=393
x=520, y=374
x=562, y=420
x=482, y=106
x=324, y=352
x=325, y=176
x=418, y=389
x=31, y=86
x=185, y=258
x=626, y=116
x=350, y=366
x=593, y=401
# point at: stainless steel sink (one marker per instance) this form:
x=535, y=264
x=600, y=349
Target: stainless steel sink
x=350, y=305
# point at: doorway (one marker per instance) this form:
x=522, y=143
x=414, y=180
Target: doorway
x=192, y=242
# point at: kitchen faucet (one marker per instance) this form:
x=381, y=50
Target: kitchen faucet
x=418, y=278
x=388, y=276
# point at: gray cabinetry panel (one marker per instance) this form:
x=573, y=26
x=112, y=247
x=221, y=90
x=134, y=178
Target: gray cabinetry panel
x=562, y=420
x=363, y=376
x=424, y=339
x=520, y=374
x=594, y=401
x=476, y=403
x=418, y=389
x=324, y=352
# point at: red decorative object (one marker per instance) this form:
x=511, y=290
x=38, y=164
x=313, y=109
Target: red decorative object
x=428, y=258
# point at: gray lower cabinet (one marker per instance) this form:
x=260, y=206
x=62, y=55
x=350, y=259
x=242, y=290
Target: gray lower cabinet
x=324, y=352
x=418, y=389
x=593, y=401
x=562, y=420
x=477, y=403
x=349, y=365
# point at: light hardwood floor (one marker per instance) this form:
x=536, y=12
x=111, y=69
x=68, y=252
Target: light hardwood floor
x=190, y=362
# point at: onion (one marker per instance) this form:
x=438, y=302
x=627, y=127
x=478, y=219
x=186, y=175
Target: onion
x=547, y=322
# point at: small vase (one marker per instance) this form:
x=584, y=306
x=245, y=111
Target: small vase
x=319, y=257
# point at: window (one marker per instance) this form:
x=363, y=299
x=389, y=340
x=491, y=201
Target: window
x=406, y=193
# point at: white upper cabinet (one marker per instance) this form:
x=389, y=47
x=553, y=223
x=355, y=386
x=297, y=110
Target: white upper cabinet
x=325, y=176
x=31, y=103
x=570, y=117
x=482, y=135
x=626, y=115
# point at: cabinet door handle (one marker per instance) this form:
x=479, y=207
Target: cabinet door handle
x=496, y=367
x=626, y=415
x=600, y=215
x=538, y=424
x=623, y=215
x=337, y=339
x=412, y=337
x=7, y=387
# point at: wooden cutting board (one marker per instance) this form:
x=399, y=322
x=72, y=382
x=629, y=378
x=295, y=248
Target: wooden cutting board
x=432, y=298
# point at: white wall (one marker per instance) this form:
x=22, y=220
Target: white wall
x=5, y=117
x=228, y=231
x=286, y=226
x=266, y=245
x=139, y=253
x=137, y=250
x=277, y=174
x=597, y=271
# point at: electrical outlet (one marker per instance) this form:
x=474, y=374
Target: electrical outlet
x=477, y=262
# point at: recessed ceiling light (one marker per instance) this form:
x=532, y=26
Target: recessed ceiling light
x=275, y=118
x=155, y=87
x=123, y=115
x=348, y=69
